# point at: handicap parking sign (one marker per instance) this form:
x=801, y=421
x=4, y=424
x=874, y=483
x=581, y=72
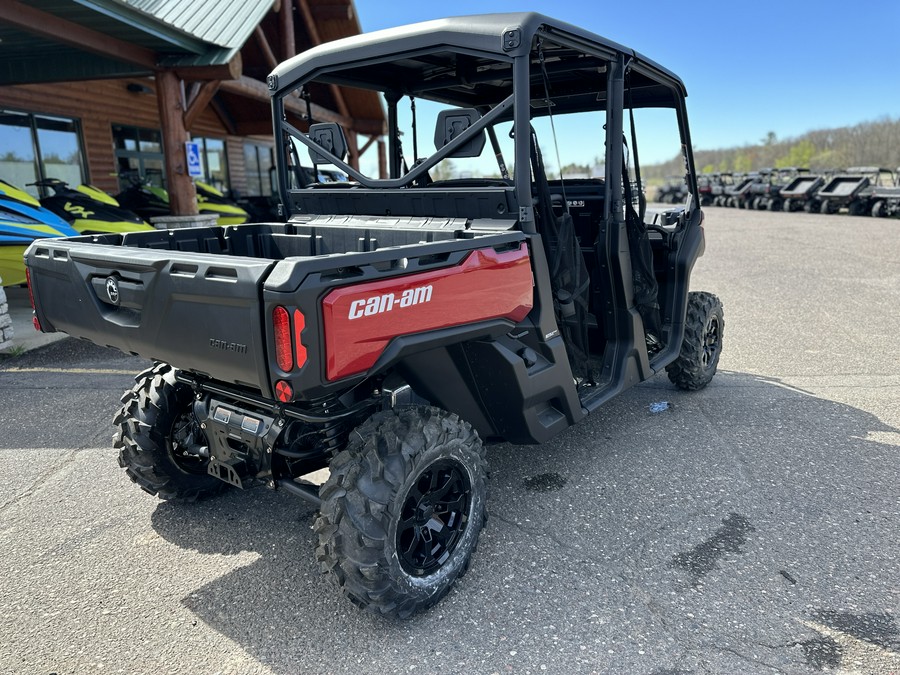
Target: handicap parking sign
x=192, y=150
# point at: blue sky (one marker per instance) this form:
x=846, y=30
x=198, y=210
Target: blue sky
x=749, y=67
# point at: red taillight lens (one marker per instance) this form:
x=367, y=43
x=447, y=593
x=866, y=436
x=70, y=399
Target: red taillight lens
x=281, y=322
x=299, y=349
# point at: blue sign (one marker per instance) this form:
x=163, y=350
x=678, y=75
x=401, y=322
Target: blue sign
x=194, y=168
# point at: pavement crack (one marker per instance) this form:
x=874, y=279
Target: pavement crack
x=537, y=532
x=60, y=464
x=748, y=659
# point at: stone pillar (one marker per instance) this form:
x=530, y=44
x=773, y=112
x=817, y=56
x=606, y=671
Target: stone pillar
x=6, y=327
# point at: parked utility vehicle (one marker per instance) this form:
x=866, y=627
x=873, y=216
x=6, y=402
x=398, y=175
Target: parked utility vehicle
x=393, y=325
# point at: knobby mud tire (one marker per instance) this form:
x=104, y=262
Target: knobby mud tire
x=151, y=413
x=702, y=345
x=366, y=508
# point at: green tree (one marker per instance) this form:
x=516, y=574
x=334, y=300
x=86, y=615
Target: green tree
x=743, y=162
x=443, y=171
x=800, y=154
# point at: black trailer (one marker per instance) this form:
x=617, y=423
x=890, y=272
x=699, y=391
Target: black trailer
x=800, y=193
x=882, y=198
x=848, y=190
x=767, y=190
x=721, y=184
x=739, y=195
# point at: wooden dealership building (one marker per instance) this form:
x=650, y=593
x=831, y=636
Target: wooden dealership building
x=93, y=89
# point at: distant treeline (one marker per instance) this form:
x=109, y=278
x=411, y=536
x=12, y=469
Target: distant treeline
x=874, y=143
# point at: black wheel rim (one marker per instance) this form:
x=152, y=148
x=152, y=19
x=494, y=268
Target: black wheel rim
x=433, y=518
x=711, y=341
x=184, y=446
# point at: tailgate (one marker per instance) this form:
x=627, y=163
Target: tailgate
x=196, y=311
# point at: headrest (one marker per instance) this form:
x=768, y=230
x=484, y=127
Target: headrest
x=451, y=124
x=330, y=137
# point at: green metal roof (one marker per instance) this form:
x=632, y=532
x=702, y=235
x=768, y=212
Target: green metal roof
x=181, y=33
x=225, y=23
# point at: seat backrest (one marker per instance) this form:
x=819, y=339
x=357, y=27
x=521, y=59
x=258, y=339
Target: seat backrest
x=452, y=123
x=329, y=136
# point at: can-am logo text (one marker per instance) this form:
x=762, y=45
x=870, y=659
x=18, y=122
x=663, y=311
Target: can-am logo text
x=380, y=304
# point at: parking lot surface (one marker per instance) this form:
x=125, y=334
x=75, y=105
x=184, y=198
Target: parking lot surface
x=748, y=528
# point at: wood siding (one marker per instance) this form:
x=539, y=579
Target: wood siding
x=98, y=105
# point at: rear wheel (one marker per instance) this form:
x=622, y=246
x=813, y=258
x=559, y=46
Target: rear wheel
x=879, y=209
x=402, y=509
x=857, y=208
x=702, y=345
x=826, y=207
x=788, y=205
x=159, y=438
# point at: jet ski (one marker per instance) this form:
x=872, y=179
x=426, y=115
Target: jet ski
x=90, y=210
x=211, y=200
x=150, y=201
x=22, y=220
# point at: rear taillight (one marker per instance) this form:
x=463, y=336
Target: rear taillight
x=34, y=319
x=289, y=349
x=299, y=349
x=281, y=322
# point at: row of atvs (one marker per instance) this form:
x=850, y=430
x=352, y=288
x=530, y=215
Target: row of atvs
x=69, y=212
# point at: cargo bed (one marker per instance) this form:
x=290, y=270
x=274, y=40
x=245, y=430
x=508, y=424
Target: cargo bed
x=197, y=298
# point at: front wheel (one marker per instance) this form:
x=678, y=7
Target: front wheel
x=402, y=509
x=857, y=208
x=159, y=438
x=702, y=345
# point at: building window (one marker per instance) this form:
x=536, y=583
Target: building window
x=35, y=146
x=138, y=155
x=258, y=163
x=215, y=162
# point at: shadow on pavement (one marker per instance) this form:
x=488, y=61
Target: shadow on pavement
x=704, y=537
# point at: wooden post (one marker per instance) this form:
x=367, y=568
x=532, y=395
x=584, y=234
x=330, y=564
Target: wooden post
x=288, y=42
x=382, y=160
x=182, y=194
x=353, y=149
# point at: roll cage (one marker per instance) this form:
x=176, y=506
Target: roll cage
x=507, y=67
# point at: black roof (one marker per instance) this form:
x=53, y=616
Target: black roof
x=485, y=33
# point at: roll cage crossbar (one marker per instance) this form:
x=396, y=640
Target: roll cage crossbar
x=416, y=172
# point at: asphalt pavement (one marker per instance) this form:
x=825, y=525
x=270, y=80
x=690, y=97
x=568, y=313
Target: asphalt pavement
x=748, y=528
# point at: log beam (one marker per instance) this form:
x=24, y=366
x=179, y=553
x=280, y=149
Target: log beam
x=199, y=101
x=257, y=90
x=226, y=71
x=288, y=39
x=312, y=27
x=182, y=194
x=265, y=47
